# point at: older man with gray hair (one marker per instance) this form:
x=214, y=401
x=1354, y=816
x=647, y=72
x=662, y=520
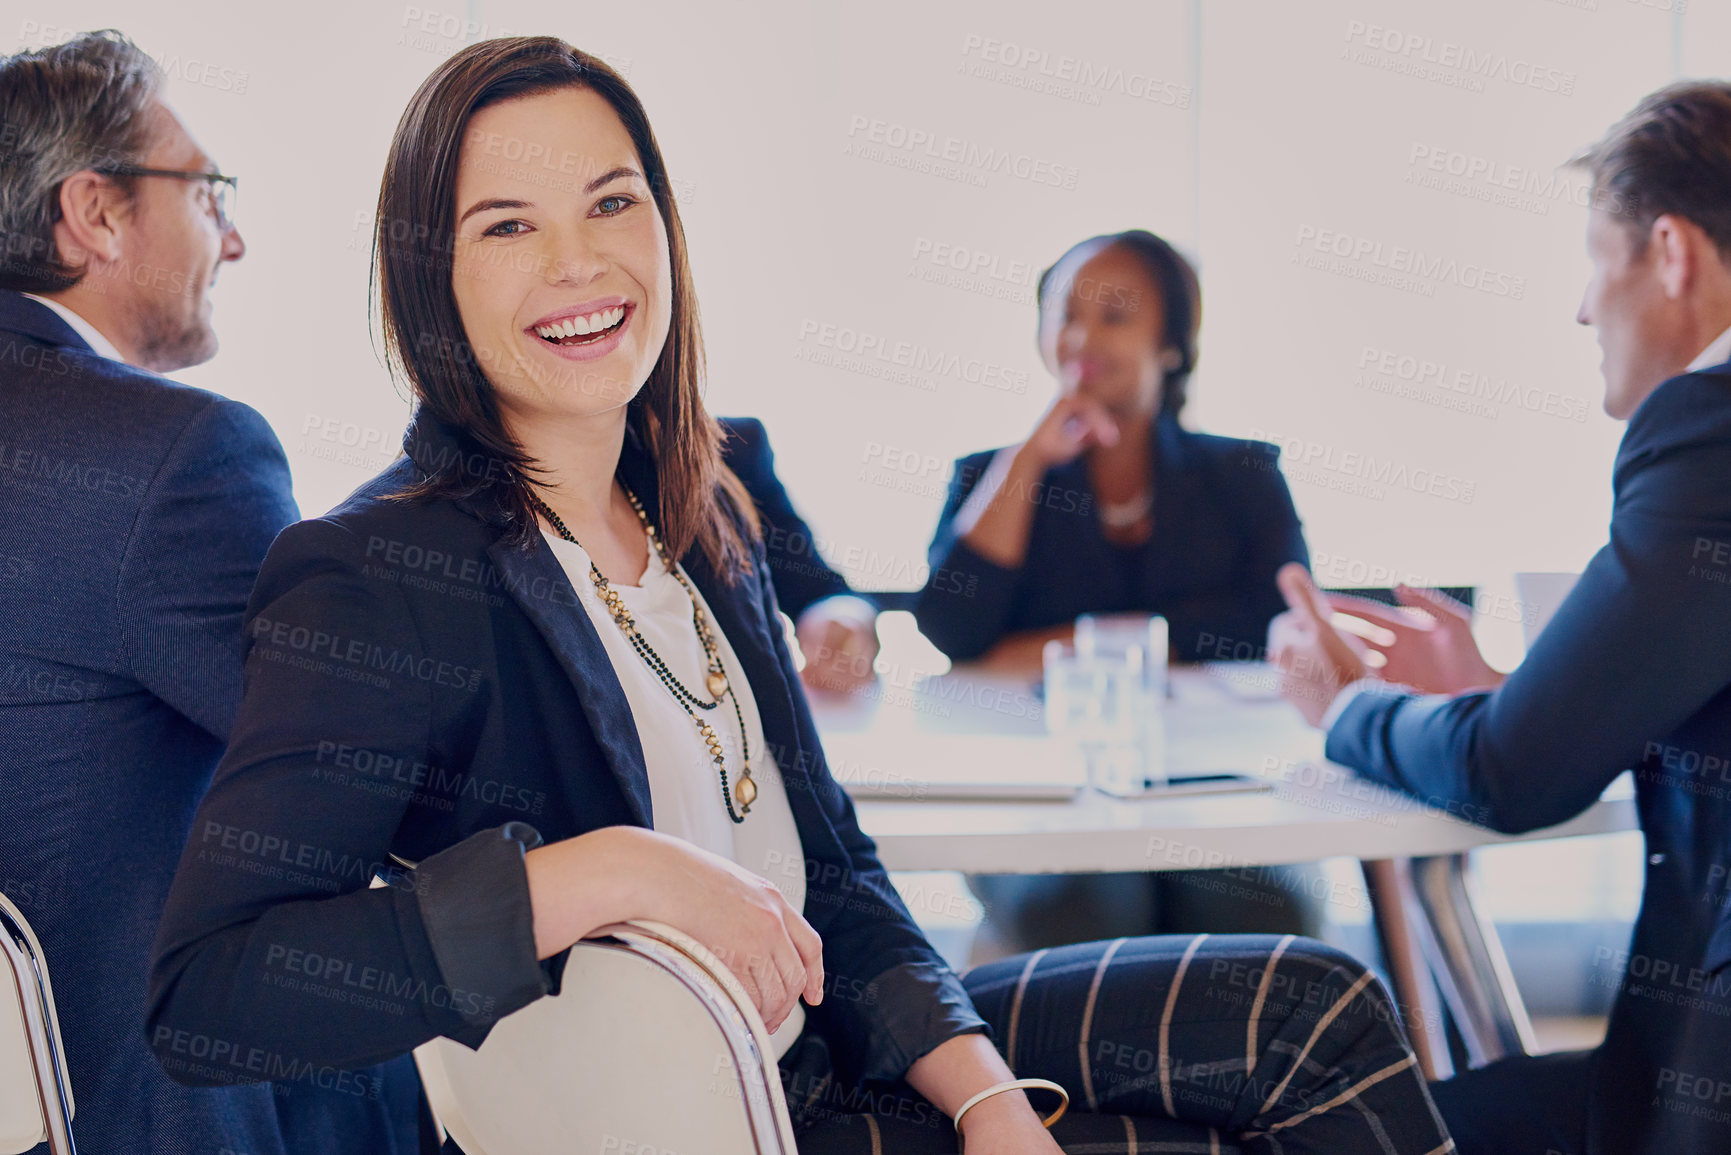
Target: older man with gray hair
x=134, y=513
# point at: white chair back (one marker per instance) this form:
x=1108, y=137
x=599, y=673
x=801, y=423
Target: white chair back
x=35, y=1092
x=651, y=1045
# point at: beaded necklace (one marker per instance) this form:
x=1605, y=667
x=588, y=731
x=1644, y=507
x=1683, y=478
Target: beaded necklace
x=745, y=790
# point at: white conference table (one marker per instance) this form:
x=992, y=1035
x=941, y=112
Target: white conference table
x=1218, y=718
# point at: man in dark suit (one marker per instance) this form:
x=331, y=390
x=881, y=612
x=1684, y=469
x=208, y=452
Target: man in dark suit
x=836, y=627
x=134, y=513
x=1633, y=672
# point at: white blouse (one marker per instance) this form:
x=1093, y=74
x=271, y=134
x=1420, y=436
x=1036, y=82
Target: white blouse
x=684, y=788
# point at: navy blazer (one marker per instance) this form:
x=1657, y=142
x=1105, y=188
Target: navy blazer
x=419, y=690
x=802, y=578
x=134, y=513
x=1634, y=671
x=1224, y=523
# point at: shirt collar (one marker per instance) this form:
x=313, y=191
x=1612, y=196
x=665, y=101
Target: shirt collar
x=1717, y=353
x=99, y=344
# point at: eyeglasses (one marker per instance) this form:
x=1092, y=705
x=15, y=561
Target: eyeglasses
x=224, y=190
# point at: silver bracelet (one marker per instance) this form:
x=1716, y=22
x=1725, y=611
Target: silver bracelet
x=1014, y=1085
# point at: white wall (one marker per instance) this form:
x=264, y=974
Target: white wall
x=1320, y=130
x=1245, y=131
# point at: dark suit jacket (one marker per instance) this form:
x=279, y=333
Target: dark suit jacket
x=133, y=516
x=1223, y=524
x=802, y=578
x=1634, y=671
x=418, y=687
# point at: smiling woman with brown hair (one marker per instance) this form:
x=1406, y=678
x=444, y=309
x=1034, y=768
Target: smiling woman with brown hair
x=551, y=625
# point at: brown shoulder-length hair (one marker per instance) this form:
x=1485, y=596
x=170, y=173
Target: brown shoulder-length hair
x=427, y=346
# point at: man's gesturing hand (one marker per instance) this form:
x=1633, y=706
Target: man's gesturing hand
x=1315, y=659
x=1432, y=650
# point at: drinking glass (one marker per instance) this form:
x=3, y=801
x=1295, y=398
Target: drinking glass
x=1091, y=698
x=1110, y=638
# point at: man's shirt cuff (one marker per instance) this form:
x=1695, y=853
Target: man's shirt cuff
x=1343, y=699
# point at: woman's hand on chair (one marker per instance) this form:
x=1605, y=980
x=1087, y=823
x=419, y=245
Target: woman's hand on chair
x=622, y=872
x=747, y=922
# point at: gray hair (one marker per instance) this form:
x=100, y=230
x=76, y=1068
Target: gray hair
x=63, y=109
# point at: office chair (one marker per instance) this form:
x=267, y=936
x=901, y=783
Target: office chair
x=651, y=1045
x=35, y=1093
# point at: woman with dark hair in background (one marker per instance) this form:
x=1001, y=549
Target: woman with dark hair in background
x=1112, y=506
x=602, y=713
